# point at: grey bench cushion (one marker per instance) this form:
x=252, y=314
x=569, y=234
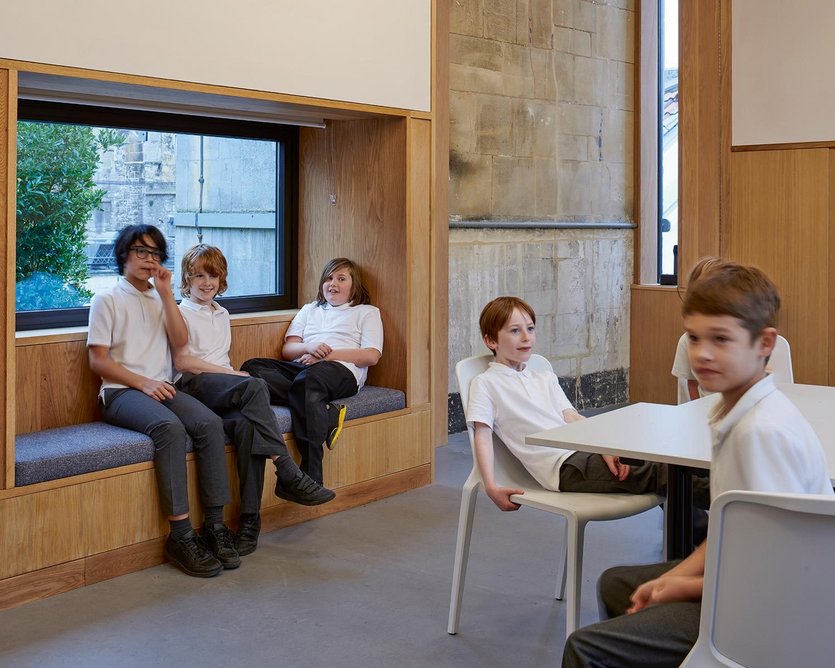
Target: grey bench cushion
x=97, y=446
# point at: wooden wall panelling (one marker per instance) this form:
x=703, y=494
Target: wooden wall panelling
x=831, y=266
x=655, y=329
x=353, y=204
x=704, y=129
x=362, y=458
x=418, y=244
x=780, y=207
x=8, y=179
x=54, y=386
x=35, y=531
x=258, y=340
x=439, y=314
x=111, y=517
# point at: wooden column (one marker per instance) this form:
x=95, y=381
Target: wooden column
x=8, y=171
x=439, y=315
x=704, y=129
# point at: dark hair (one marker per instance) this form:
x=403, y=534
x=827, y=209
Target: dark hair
x=208, y=258
x=129, y=235
x=496, y=313
x=741, y=291
x=359, y=293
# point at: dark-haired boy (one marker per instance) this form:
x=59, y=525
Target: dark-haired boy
x=760, y=442
x=132, y=329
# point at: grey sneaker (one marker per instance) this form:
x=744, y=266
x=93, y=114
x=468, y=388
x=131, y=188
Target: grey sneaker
x=221, y=544
x=192, y=556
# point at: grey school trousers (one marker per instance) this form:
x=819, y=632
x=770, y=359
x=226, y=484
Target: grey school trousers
x=244, y=404
x=656, y=637
x=167, y=423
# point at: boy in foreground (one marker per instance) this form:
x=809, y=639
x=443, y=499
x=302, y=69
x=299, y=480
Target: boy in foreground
x=760, y=442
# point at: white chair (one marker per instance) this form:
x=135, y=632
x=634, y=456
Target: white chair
x=769, y=587
x=577, y=509
x=780, y=363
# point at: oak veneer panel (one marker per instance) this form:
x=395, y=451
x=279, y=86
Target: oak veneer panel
x=8, y=172
x=780, y=209
x=361, y=167
x=655, y=329
x=122, y=561
x=260, y=340
x=113, y=516
x=704, y=129
x=831, y=265
x=41, y=584
x=54, y=386
x=418, y=257
x=39, y=530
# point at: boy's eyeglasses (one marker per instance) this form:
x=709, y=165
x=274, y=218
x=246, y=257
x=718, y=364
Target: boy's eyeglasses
x=142, y=253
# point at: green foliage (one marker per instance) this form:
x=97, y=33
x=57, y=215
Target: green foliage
x=56, y=196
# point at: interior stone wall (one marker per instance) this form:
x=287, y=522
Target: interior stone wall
x=541, y=144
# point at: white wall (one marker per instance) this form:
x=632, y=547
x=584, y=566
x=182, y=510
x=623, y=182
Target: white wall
x=783, y=89
x=368, y=51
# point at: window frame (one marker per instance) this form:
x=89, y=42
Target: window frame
x=287, y=188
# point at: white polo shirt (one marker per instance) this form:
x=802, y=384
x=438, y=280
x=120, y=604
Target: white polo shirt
x=764, y=444
x=209, y=332
x=131, y=324
x=515, y=404
x=343, y=326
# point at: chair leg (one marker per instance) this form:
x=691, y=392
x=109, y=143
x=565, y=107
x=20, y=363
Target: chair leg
x=559, y=594
x=575, y=533
x=462, y=553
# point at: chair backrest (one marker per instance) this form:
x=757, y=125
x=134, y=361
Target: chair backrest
x=508, y=470
x=780, y=362
x=769, y=585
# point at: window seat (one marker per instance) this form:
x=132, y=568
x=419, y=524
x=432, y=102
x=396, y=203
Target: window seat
x=97, y=446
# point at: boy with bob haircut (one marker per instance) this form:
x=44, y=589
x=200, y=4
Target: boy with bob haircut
x=513, y=401
x=760, y=442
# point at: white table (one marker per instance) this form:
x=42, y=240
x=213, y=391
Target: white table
x=679, y=436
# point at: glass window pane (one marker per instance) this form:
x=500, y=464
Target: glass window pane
x=668, y=138
x=79, y=185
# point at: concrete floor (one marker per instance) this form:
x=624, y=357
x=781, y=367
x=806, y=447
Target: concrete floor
x=366, y=587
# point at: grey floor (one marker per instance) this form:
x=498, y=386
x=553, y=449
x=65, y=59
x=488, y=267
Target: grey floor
x=366, y=587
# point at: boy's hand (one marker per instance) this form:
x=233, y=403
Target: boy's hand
x=307, y=359
x=666, y=589
x=501, y=497
x=158, y=389
x=319, y=350
x=162, y=279
x=620, y=471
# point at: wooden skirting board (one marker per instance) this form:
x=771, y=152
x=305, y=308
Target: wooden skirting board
x=54, y=580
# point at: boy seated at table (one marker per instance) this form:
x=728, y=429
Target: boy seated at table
x=760, y=442
x=514, y=401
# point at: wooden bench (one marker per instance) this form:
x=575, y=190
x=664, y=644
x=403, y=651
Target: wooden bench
x=97, y=446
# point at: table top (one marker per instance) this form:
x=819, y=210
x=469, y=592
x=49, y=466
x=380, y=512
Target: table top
x=679, y=434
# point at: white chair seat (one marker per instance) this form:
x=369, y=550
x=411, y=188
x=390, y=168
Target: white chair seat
x=576, y=508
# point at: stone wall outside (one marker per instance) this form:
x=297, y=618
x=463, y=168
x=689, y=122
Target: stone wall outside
x=541, y=132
